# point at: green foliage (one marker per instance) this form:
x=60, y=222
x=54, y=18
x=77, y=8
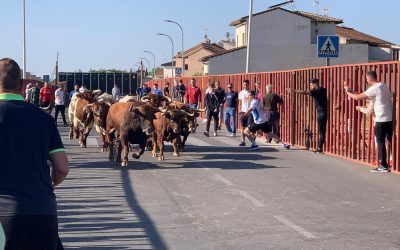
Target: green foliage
x=101, y=70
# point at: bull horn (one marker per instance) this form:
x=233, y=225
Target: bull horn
x=88, y=107
x=187, y=113
x=201, y=110
x=132, y=108
x=96, y=92
x=145, y=98
x=168, y=99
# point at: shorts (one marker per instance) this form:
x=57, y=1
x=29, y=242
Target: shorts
x=246, y=120
x=264, y=127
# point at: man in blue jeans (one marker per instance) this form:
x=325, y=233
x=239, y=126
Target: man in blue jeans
x=231, y=102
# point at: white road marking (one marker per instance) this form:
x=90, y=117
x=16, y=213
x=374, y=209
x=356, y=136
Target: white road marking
x=246, y=195
x=295, y=227
x=197, y=142
x=92, y=141
x=223, y=179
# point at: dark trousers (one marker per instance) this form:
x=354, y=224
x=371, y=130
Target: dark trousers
x=60, y=108
x=35, y=232
x=273, y=118
x=212, y=114
x=383, y=131
x=321, y=119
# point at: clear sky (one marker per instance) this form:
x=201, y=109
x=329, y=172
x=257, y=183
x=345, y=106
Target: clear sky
x=112, y=33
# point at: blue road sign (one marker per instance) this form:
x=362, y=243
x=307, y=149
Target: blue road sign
x=178, y=71
x=328, y=46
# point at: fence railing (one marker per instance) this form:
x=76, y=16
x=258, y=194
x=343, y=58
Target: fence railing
x=350, y=133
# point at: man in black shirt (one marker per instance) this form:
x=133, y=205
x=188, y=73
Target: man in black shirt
x=28, y=208
x=220, y=93
x=321, y=101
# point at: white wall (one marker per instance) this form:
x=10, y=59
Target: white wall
x=284, y=57
x=241, y=35
x=317, y=29
x=380, y=54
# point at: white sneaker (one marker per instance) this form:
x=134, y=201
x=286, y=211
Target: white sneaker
x=215, y=134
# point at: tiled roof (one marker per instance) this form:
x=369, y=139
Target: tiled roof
x=312, y=16
x=357, y=36
x=168, y=64
x=205, y=59
x=214, y=48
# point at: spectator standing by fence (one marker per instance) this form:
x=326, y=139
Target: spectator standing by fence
x=320, y=97
x=220, y=93
x=270, y=105
x=381, y=97
x=35, y=92
x=167, y=90
x=181, y=90
x=231, y=102
x=46, y=95
x=213, y=105
x=156, y=90
x=28, y=92
x=193, y=95
x=28, y=208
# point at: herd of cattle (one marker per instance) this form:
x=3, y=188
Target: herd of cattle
x=148, y=122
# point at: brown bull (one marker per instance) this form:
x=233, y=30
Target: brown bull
x=99, y=109
x=189, y=124
x=168, y=128
x=79, y=117
x=133, y=122
x=156, y=100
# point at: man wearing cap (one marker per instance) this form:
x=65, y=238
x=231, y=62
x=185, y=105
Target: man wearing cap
x=28, y=208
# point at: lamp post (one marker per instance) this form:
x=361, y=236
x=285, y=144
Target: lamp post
x=24, y=42
x=154, y=62
x=249, y=29
x=148, y=63
x=172, y=58
x=183, y=58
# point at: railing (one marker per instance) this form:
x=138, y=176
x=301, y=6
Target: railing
x=350, y=133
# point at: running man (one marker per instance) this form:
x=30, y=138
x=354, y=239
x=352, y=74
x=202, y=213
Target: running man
x=244, y=104
x=260, y=123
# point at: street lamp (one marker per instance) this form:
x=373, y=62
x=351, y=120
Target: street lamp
x=144, y=58
x=154, y=62
x=24, y=42
x=249, y=28
x=183, y=58
x=172, y=59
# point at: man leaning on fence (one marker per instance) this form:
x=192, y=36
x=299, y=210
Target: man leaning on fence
x=28, y=208
x=381, y=97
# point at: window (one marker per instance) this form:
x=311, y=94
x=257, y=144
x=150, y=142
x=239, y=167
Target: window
x=186, y=66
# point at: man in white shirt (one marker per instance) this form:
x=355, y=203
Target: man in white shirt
x=28, y=92
x=381, y=97
x=244, y=107
x=60, y=104
x=116, y=92
x=260, y=122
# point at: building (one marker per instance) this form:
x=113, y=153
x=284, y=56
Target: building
x=193, y=59
x=282, y=39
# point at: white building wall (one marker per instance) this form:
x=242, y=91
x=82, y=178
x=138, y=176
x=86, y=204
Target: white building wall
x=380, y=54
x=326, y=29
x=273, y=58
x=241, y=35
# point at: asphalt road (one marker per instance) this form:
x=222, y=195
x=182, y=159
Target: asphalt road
x=220, y=196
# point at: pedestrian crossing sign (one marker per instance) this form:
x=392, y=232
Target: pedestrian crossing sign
x=328, y=46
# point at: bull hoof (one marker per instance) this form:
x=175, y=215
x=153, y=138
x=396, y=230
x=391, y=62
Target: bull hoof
x=177, y=155
x=103, y=150
x=161, y=158
x=124, y=164
x=136, y=156
x=154, y=154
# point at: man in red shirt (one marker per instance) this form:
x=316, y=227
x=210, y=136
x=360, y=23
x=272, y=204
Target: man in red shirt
x=46, y=95
x=193, y=95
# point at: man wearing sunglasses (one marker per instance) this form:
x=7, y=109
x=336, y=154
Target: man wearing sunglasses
x=231, y=102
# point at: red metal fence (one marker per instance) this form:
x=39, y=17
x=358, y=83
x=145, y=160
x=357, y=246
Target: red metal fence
x=350, y=133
